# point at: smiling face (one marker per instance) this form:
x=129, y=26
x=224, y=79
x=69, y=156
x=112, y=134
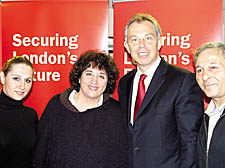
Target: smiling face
x=210, y=74
x=18, y=81
x=143, y=44
x=93, y=83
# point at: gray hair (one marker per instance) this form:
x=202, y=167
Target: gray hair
x=140, y=17
x=208, y=45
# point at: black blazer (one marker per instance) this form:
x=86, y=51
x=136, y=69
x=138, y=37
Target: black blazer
x=166, y=127
x=216, y=153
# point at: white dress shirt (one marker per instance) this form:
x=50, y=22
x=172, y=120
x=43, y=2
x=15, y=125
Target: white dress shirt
x=214, y=115
x=150, y=72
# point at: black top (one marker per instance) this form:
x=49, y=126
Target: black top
x=216, y=152
x=17, y=133
x=71, y=139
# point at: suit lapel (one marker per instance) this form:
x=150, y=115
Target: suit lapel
x=158, y=79
x=204, y=133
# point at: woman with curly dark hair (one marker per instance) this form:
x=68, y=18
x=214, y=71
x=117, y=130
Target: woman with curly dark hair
x=82, y=127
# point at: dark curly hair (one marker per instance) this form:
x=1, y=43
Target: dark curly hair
x=95, y=59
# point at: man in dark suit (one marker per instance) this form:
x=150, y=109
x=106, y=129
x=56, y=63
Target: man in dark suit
x=210, y=74
x=164, y=132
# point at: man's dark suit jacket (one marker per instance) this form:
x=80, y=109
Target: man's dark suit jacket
x=216, y=154
x=165, y=131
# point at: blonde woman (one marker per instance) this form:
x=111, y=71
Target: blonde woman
x=17, y=122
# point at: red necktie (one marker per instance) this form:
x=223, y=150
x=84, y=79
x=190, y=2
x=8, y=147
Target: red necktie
x=140, y=94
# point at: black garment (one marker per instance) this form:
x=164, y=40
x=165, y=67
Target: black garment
x=216, y=153
x=164, y=134
x=71, y=139
x=17, y=133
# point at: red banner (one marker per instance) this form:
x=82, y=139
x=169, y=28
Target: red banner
x=185, y=26
x=0, y=37
x=52, y=34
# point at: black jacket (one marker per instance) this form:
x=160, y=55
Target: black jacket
x=216, y=153
x=165, y=131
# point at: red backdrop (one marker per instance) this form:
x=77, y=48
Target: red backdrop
x=52, y=34
x=185, y=26
x=0, y=38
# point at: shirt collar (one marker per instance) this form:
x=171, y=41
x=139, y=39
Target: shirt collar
x=212, y=110
x=150, y=70
x=73, y=102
